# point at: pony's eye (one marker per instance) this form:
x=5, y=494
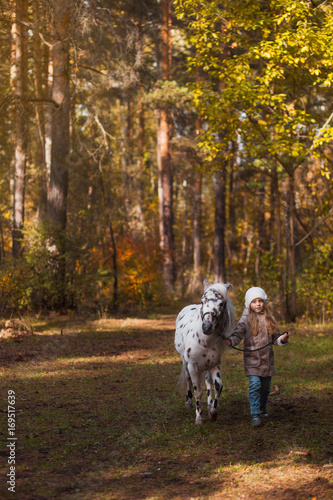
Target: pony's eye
x=213, y=313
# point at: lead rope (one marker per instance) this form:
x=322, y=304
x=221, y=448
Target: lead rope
x=259, y=348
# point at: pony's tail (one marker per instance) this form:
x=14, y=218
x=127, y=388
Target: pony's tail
x=183, y=377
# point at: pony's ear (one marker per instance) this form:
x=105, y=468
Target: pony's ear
x=229, y=285
x=205, y=284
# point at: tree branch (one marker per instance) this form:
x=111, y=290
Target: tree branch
x=321, y=131
x=314, y=227
x=284, y=164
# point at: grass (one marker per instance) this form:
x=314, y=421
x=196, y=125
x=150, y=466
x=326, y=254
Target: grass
x=99, y=416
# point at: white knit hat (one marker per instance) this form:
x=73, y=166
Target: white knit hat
x=255, y=293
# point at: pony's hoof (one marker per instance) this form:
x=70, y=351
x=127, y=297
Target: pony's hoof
x=188, y=404
x=198, y=421
x=212, y=416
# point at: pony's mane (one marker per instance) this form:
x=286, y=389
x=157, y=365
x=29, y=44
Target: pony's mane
x=219, y=288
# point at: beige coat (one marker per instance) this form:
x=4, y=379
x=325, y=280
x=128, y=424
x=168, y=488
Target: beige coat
x=260, y=363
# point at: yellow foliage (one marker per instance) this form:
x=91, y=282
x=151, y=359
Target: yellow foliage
x=138, y=271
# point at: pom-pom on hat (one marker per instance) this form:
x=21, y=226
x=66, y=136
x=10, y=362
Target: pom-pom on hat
x=255, y=293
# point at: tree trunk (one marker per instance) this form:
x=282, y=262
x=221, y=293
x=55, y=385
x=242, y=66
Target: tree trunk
x=58, y=188
x=273, y=225
x=184, y=242
x=123, y=161
x=19, y=80
x=219, y=243
x=141, y=133
x=276, y=210
x=165, y=191
x=140, y=168
x=39, y=111
x=196, y=282
x=289, y=192
x=57, y=201
x=48, y=112
x=129, y=131
x=291, y=200
x=232, y=204
x=107, y=201
x=2, y=246
x=220, y=197
x=261, y=238
x=197, y=250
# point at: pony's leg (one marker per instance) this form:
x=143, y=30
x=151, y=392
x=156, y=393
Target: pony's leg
x=195, y=377
x=218, y=386
x=189, y=388
x=209, y=385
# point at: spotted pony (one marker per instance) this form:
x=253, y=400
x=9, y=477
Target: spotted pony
x=200, y=330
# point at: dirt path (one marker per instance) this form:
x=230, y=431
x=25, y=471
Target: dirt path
x=98, y=416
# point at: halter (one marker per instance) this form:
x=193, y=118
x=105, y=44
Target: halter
x=223, y=306
x=203, y=315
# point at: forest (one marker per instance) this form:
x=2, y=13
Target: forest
x=147, y=145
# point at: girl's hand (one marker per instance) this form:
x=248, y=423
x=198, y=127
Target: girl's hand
x=227, y=342
x=285, y=338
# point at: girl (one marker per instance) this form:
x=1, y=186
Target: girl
x=257, y=327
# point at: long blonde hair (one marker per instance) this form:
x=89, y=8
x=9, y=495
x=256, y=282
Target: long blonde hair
x=270, y=321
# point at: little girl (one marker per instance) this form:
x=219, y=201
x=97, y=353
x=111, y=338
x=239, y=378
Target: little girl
x=257, y=327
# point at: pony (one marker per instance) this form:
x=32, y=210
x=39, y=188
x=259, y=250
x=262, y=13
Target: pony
x=200, y=332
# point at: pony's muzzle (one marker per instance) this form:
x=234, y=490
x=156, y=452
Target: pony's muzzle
x=207, y=328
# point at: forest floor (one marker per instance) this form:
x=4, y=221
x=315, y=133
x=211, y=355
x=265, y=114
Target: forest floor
x=98, y=415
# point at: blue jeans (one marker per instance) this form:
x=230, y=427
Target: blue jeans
x=259, y=389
